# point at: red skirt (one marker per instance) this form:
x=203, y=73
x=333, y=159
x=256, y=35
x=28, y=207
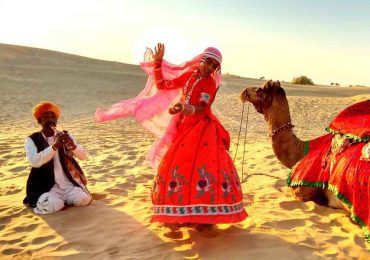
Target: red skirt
x=197, y=181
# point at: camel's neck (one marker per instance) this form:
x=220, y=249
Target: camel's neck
x=287, y=147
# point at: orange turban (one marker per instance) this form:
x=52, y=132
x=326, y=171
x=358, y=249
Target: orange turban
x=43, y=107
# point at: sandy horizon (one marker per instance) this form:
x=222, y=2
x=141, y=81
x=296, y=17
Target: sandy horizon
x=116, y=225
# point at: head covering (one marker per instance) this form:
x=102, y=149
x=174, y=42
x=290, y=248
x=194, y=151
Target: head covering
x=213, y=53
x=43, y=107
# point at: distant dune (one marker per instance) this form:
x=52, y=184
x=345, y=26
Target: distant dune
x=70, y=80
x=116, y=225
x=77, y=80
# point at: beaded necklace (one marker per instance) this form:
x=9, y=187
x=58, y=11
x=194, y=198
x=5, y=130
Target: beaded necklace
x=188, y=94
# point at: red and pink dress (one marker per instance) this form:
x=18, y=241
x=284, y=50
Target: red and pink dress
x=196, y=180
x=340, y=162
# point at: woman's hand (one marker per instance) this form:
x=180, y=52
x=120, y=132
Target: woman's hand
x=158, y=52
x=176, y=108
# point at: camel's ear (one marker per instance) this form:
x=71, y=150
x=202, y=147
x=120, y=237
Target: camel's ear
x=243, y=95
x=270, y=83
x=278, y=82
x=266, y=85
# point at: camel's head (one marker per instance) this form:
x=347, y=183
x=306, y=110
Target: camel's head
x=262, y=97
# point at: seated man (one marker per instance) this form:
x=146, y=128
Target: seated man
x=55, y=178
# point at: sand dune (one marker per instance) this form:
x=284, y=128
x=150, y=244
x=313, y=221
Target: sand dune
x=116, y=225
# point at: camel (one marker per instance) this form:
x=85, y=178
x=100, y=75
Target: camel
x=328, y=160
x=270, y=100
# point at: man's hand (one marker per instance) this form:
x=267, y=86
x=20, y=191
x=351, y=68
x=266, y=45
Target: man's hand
x=61, y=140
x=176, y=108
x=158, y=52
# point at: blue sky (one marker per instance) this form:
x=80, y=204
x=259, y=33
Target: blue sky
x=327, y=41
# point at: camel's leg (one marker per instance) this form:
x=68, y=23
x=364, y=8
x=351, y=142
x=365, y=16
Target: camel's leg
x=305, y=193
x=320, y=196
x=334, y=202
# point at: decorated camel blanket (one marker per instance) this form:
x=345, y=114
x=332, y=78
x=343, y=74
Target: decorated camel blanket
x=340, y=162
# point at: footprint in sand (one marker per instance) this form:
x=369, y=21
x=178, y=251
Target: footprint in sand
x=15, y=213
x=9, y=156
x=142, y=177
x=117, y=191
x=25, y=244
x=125, y=185
x=11, y=251
x=117, y=172
x=18, y=169
x=131, y=157
x=291, y=205
x=113, y=158
x=270, y=156
x=321, y=222
x=10, y=190
x=41, y=240
x=14, y=241
x=98, y=196
x=107, y=161
x=26, y=228
x=284, y=224
x=5, y=220
x=2, y=209
x=336, y=239
x=132, y=153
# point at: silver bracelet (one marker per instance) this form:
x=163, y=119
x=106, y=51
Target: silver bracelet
x=188, y=109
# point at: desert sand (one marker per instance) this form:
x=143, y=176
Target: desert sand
x=117, y=223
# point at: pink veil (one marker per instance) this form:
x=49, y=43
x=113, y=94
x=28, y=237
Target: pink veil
x=150, y=106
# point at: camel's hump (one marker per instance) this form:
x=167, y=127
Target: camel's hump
x=353, y=121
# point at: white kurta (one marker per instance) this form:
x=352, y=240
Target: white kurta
x=63, y=189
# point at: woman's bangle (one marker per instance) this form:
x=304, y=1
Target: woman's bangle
x=53, y=147
x=157, y=65
x=192, y=110
x=188, y=109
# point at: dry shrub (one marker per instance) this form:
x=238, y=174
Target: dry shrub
x=302, y=80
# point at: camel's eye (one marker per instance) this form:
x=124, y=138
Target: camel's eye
x=259, y=90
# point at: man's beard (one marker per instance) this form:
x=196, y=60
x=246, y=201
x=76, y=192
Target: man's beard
x=50, y=124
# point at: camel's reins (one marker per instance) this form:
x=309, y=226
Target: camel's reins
x=245, y=140
x=244, y=179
